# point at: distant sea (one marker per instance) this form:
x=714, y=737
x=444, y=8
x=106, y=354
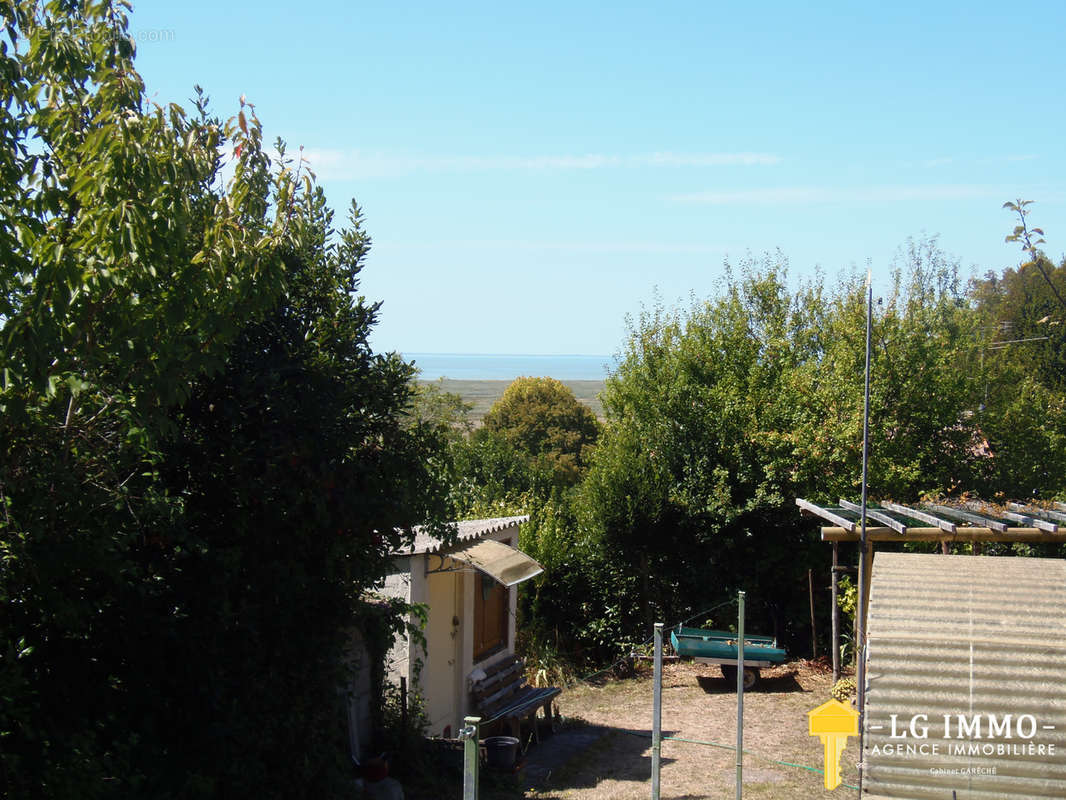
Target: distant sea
x=495, y=367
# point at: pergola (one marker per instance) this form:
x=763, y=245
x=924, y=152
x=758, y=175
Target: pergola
x=971, y=521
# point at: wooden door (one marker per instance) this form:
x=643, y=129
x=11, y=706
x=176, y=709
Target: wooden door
x=491, y=609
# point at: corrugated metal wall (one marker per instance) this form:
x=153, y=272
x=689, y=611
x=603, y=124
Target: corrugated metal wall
x=971, y=636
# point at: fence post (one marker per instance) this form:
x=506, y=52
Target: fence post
x=740, y=694
x=471, y=736
x=657, y=712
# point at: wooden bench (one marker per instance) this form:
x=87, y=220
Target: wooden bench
x=503, y=696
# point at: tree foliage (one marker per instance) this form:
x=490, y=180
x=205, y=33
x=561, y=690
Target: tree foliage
x=689, y=485
x=542, y=420
x=1025, y=309
x=447, y=411
x=720, y=414
x=1024, y=318
x=205, y=465
x=535, y=442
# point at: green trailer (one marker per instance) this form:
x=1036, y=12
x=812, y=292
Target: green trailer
x=720, y=647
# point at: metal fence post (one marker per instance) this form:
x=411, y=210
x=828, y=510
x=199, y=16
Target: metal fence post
x=471, y=736
x=740, y=694
x=657, y=712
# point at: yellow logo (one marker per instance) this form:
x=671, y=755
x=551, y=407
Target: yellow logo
x=833, y=722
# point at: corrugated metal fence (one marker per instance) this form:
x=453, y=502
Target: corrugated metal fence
x=967, y=677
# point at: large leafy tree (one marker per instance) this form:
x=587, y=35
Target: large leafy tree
x=1023, y=313
x=691, y=477
x=1027, y=323
x=296, y=471
x=544, y=422
x=1025, y=307
x=204, y=464
x=721, y=414
x=529, y=456
x=926, y=395
x=536, y=440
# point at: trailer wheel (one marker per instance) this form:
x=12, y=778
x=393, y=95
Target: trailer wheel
x=751, y=675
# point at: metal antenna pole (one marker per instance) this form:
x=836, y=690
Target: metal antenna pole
x=740, y=694
x=657, y=712
x=864, y=554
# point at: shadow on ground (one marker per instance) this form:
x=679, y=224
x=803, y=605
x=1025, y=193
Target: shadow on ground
x=568, y=759
x=716, y=684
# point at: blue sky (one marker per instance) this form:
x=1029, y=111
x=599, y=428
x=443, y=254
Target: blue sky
x=531, y=175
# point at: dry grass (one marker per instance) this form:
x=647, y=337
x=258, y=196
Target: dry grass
x=698, y=704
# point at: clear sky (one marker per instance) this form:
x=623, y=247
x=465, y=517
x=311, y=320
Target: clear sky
x=532, y=173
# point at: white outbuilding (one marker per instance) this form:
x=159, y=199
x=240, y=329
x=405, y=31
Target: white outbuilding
x=468, y=591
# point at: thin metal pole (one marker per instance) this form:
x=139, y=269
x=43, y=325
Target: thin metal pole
x=864, y=554
x=657, y=712
x=471, y=736
x=740, y=694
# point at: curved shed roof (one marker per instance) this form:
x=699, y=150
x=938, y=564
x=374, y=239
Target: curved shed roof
x=469, y=530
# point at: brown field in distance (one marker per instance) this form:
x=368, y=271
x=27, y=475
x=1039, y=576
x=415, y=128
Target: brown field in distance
x=482, y=394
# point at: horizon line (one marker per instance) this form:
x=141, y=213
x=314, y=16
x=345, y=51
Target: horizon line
x=507, y=355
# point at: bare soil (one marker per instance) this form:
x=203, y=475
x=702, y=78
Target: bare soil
x=698, y=705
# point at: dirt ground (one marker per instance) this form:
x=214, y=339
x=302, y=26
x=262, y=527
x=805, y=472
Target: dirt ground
x=611, y=728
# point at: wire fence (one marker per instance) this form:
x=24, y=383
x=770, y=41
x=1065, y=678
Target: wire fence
x=746, y=751
x=730, y=747
x=625, y=658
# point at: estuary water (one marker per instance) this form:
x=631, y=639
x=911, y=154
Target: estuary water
x=503, y=367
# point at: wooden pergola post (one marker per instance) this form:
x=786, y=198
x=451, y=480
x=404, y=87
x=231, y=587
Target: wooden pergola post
x=835, y=613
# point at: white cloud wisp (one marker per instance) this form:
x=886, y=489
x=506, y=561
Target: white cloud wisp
x=336, y=164
x=803, y=195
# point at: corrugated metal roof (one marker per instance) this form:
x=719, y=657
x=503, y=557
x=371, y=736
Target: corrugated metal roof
x=971, y=636
x=469, y=530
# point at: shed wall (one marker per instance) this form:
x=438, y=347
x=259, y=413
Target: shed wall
x=398, y=585
x=438, y=673
x=439, y=679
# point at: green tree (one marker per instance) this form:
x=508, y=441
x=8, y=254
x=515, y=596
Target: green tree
x=721, y=414
x=536, y=440
x=298, y=471
x=926, y=392
x=544, y=422
x=527, y=458
x=492, y=478
x=1024, y=399
x=690, y=484
x=447, y=411
x=204, y=464
x=1025, y=309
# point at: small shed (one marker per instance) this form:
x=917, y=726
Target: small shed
x=966, y=677
x=468, y=589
